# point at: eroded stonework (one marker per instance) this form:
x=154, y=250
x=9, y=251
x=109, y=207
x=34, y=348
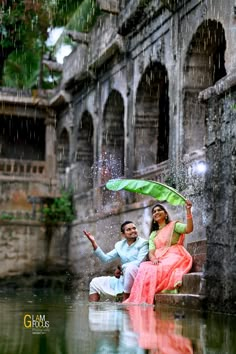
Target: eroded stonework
x=143, y=95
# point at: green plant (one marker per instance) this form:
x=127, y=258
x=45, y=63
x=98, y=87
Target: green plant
x=6, y=216
x=24, y=28
x=59, y=209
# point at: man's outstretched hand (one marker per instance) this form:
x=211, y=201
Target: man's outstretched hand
x=89, y=236
x=91, y=239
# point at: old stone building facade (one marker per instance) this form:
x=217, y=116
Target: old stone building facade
x=27, y=177
x=137, y=99
x=149, y=93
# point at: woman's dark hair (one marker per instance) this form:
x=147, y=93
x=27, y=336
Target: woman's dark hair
x=122, y=228
x=154, y=225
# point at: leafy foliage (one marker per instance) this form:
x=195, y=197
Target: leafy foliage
x=22, y=69
x=22, y=20
x=84, y=17
x=60, y=210
x=63, y=11
x=23, y=31
x=6, y=216
x=82, y=20
x=24, y=28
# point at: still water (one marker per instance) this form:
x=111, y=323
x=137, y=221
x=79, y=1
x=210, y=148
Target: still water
x=59, y=323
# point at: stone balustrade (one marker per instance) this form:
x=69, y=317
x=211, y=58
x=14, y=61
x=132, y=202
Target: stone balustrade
x=24, y=168
x=158, y=173
x=7, y=216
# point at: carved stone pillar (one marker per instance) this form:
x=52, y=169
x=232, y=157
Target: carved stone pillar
x=50, y=148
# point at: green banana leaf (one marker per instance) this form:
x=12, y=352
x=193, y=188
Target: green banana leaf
x=157, y=190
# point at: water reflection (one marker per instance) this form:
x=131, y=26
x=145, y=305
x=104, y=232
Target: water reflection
x=157, y=333
x=140, y=329
x=16, y=338
x=79, y=327
x=112, y=318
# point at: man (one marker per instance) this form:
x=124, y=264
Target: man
x=131, y=251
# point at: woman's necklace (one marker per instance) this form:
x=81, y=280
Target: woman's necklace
x=161, y=226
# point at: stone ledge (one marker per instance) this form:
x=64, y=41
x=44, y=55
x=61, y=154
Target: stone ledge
x=135, y=12
x=110, y=6
x=180, y=300
x=116, y=44
x=193, y=283
x=225, y=84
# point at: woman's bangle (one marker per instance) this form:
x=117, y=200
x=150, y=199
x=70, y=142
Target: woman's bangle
x=189, y=216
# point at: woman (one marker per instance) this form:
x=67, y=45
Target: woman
x=169, y=260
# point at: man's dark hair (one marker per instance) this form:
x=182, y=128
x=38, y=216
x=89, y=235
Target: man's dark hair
x=122, y=228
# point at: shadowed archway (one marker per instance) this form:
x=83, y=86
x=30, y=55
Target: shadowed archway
x=112, y=150
x=204, y=66
x=63, y=148
x=152, y=117
x=84, y=155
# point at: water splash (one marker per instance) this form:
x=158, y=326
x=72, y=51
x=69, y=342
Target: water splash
x=107, y=167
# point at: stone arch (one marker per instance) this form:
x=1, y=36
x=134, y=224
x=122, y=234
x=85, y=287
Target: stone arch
x=112, y=151
x=63, y=148
x=84, y=154
x=152, y=117
x=204, y=65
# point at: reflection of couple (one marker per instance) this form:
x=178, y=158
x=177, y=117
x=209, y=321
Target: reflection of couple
x=140, y=329
x=162, y=336
x=113, y=328
x=138, y=280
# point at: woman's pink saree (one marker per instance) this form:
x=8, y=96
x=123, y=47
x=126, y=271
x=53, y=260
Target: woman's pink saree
x=174, y=262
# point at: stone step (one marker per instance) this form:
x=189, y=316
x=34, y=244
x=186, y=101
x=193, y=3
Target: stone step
x=190, y=295
x=190, y=301
x=193, y=283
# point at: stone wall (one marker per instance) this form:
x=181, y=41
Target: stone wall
x=220, y=203
x=23, y=248
x=27, y=179
x=29, y=252
x=17, y=193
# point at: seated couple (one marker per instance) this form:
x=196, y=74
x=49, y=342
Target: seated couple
x=139, y=280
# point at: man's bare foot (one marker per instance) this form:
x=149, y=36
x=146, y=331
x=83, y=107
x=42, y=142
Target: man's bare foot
x=94, y=297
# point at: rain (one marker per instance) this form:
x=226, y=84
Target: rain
x=99, y=90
